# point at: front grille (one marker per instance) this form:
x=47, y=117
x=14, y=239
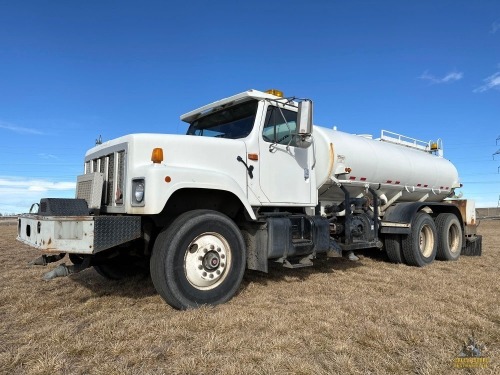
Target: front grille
x=102, y=164
x=89, y=188
x=113, y=168
x=119, y=179
x=85, y=190
x=109, y=180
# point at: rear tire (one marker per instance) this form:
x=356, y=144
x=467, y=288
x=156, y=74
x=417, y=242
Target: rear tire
x=450, y=237
x=198, y=260
x=392, y=243
x=420, y=246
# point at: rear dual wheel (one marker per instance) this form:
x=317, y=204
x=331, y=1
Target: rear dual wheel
x=420, y=246
x=441, y=238
x=450, y=237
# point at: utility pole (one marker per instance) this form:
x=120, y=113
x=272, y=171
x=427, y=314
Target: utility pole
x=498, y=151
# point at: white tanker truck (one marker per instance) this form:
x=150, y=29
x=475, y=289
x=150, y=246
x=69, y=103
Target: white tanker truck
x=252, y=181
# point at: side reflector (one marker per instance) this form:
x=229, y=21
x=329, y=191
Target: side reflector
x=254, y=157
x=157, y=155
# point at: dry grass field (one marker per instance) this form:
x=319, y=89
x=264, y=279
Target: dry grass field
x=339, y=317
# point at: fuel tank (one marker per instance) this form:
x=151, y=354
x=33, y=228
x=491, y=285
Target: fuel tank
x=396, y=169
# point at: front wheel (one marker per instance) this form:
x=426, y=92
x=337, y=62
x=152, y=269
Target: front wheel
x=198, y=260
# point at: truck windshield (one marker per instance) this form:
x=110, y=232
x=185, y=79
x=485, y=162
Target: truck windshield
x=232, y=122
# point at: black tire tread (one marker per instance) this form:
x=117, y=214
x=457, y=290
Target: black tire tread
x=392, y=244
x=163, y=281
x=442, y=226
x=411, y=252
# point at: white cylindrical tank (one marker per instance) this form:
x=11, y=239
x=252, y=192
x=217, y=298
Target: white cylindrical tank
x=388, y=168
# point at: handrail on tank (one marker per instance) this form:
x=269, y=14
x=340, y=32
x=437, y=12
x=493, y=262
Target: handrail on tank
x=404, y=140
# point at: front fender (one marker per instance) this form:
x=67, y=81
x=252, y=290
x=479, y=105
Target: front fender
x=159, y=188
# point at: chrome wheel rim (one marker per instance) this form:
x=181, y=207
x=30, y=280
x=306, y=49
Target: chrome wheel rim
x=207, y=261
x=454, y=238
x=426, y=241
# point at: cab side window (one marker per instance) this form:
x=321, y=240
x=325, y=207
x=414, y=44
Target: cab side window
x=280, y=126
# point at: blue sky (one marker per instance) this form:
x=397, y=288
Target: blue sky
x=73, y=70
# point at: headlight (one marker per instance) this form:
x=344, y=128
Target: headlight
x=139, y=192
x=138, y=188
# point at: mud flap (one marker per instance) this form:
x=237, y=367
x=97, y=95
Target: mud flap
x=473, y=246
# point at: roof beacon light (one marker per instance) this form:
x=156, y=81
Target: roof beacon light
x=275, y=92
x=157, y=155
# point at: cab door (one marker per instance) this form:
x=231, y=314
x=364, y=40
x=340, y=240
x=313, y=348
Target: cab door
x=285, y=169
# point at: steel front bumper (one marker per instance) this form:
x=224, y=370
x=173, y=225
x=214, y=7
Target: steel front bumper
x=77, y=234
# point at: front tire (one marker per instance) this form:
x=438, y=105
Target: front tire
x=198, y=260
x=420, y=246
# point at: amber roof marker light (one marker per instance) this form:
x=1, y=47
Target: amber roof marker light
x=275, y=92
x=157, y=155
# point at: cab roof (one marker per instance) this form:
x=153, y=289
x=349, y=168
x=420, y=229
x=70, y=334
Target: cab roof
x=226, y=102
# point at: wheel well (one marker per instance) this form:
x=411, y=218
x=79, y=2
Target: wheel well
x=184, y=200
x=404, y=212
x=448, y=209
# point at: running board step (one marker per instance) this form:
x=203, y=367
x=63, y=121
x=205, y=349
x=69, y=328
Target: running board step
x=304, y=262
x=287, y=264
